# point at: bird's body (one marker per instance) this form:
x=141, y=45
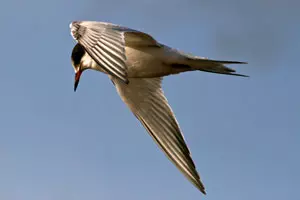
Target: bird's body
x=136, y=63
x=151, y=65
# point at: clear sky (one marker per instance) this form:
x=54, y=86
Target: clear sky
x=244, y=134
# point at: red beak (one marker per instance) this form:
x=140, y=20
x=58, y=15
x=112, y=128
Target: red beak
x=77, y=78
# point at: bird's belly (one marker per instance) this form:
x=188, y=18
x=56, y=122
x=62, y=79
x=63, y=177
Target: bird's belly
x=146, y=62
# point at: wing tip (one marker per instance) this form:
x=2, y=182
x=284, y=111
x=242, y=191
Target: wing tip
x=202, y=189
x=200, y=186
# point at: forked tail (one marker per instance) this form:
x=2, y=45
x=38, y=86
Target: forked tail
x=213, y=66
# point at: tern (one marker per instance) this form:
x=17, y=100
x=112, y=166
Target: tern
x=136, y=64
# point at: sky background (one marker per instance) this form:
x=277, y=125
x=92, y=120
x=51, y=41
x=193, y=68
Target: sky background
x=244, y=134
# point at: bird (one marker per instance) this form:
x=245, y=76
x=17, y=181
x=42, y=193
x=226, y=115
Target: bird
x=136, y=63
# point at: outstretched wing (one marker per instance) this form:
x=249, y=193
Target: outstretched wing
x=146, y=100
x=106, y=42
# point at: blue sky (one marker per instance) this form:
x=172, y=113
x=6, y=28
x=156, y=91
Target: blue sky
x=244, y=134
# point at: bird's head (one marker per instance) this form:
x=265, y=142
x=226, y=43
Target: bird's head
x=76, y=58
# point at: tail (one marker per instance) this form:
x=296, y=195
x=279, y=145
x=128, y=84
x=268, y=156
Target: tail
x=213, y=66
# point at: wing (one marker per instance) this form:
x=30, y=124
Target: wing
x=146, y=100
x=106, y=42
